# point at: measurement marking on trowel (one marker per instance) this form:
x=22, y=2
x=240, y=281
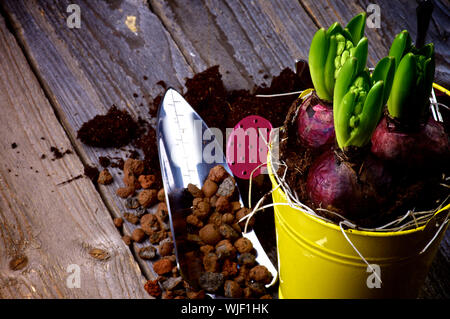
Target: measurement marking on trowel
x=189, y=173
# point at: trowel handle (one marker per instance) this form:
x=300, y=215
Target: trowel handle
x=424, y=10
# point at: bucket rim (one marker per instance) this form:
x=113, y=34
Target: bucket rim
x=352, y=231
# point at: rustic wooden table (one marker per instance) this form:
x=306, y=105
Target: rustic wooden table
x=54, y=78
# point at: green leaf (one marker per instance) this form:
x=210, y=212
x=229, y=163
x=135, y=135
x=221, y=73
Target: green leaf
x=343, y=82
x=317, y=59
x=400, y=46
x=347, y=35
x=424, y=88
x=369, y=117
x=385, y=71
x=334, y=29
x=361, y=54
x=356, y=27
x=330, y=67
x=427, y=50
x=403, y=87
x=342, y=119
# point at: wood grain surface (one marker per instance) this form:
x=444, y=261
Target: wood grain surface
x=46, y=225
x=85, y=71
x=250, y=40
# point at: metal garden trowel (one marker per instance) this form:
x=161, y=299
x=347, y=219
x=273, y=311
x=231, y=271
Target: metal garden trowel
x=180, y=132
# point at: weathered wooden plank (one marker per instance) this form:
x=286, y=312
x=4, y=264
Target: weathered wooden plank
x=244, y=36
x=45, y=224
x=117, y=56
x=437, y=282
x=250, y=40
x=395, y=17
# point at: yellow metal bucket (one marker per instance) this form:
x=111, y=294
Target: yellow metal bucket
x=315, y=260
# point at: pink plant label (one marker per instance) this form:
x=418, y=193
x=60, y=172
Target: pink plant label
x=247, y=147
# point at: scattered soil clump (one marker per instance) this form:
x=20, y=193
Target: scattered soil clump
x=114, y=129
x=226, y=261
